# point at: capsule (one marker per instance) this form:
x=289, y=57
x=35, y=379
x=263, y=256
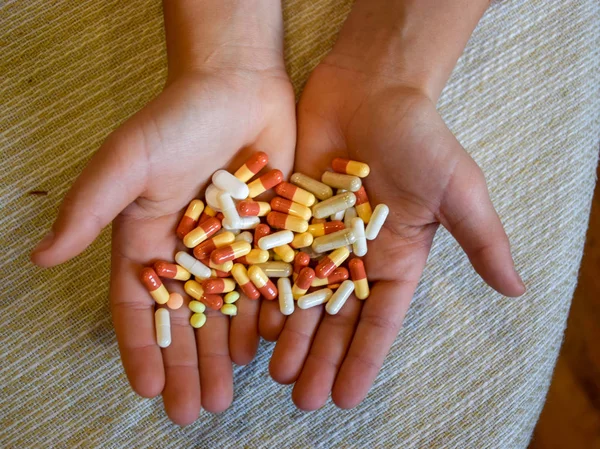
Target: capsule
x=303, y=282
x=202, y=232
x=317, y=188
x=276, y=239
x=227, y=182
x=162, y=324
x=208, y=212
x=302, y=240
x=320, y=229
x=359, y=277
x=190, y=218
x=196, y=307
x=377, y=220
x=219, y=267
x=230, y=252
x=211, y=196
x=334, y=240
x=262, y=282
x=265, y=182
x=315, y=298
x=231, y=297
x=204, y=249
x=363, y=206
x=331, y=262
x=341, y=181
x=240, y=275
x=171, y=271
x=295, y=194
x=175, y=301
x=289, y=207
x=359, y=247
x=195, y=290
x=318, y=220
x=334, y=204
x=197, y=320
x=286, y=299
x=283, y=221
x=276, y=269
x=286, y=253
x=350, y=167
x=348, y=216
x=252, y=166
x=229, y=309
x=217, y=286
x=300, y=261
x=339, y=298
x=253, y=257
x=250, y=208
x=154, y=285
x=229, y=210
x=260, y=231
x=193, y=265
x=245, y=236
x=243, y=223
x=339, y=275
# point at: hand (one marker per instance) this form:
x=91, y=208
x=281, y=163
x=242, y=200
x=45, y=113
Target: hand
x=426, y=178
x=145, y=174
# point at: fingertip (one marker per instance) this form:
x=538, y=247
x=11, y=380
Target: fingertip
x=344, y=400
x=271, y=321
x=278, y=371
x=217, y=403
x=306, y=403
x=184, y=412
x=242, y=355
x=147, y=385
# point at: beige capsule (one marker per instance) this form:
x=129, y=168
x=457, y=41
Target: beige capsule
x=317, y=188
x=341, y=181
x=334, y=204
x=335, y=240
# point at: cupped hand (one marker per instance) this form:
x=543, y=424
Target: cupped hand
x=422, y=173
x=143, y=177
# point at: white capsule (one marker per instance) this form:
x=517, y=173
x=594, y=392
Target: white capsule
x=338, y=299
x=276, y=239
x=376, y=222
x=286, y=298
x=225, y=181
x=276, y=269
x=349, y=215
x=334, y=204
x=334, y=240
x=245, y=236
x=359, y=247
x=192, y=264
x=212, y=197
x=228, y=209
x=162, y=323
x=315, y=298
x=341, y=181
x=242, y=223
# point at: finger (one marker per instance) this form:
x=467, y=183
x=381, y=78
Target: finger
x=271, y=320
x=467, y=212
x=325, y=357
x=243, y=331
x=104, y=188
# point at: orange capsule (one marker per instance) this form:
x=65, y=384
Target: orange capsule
x=154, y=285
x=219, y=273
x=284, y=221
x=204, y=249
x=321, y=229
x=316, y=220
x=265, y=182
x=206, y=214
x=218, y=267
x=261, y=281
x=190, y=219
x=230, y=252
x=295, y=194
x=171, y=271
x=330, y=262
x=349, y=167
x=261, y=231
x=359, y=277
x=216, y=286
x=202, y=232
x=241, y=277
x=252, y=166
x=300, y=261
x=303, y=282
x=215, y=302
x=362, y=205
x=289, y=207
x=339, y=275
x=249, y=208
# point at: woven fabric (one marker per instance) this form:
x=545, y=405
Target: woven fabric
x=470, y=368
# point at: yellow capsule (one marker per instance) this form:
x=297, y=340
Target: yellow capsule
x=350, y=167
x=302, y=240
x=341, y=181
x=334, y=204
x=333, y=241
x=196, y=307
x=229, y=309
x=317, y=188
x=231, y=297
x=257, y=256
x=194, y=289
x=276, y=269
x=285, y=252
x=279, y=220
x=226, y=267
x=197, y=320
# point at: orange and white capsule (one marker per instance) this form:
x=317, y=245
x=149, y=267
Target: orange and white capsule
x=302, y=240
x=289, y=207
x=359, y=277
x=202, y=232
x=286, y=253
x=303, y=282
x=350, y=167
x=207, y=213
x=295, y=194
x=331, y=262
x=217, y=286
x=320, y=229
x=252, y=166
x=334, y=204
x=264, y=183
x=253, y=257
x=230, y=252
x=154, y=285
x=262, y=282
x=204, y=249
x=190, y=218
x=317, y=188
x=341, y=181
x=250, y=208
x=171, y=271
x=363, y=206
x=261, y=231
x=240, y=275
x=278, y=220
x=339, y=275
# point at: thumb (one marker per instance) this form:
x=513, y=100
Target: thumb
x=111, y=180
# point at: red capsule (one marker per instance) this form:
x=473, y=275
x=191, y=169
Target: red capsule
x=252, y=166
x=207, y=213
x=339, y=275
x=330, y=262
x=300, y=261
x=361, y=196
x=214, y=302
x=203, y=232
x=305, y=278
x=233, y=251
x=216, y=286
x=171, y=271
x=260, y=231
x=154, y=285
x=265, y=182
x=190, y=218
x=250, y=208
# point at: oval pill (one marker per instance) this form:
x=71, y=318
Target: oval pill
x=190, y=218
x=278, y=220
x=202, y=232
x=276, y=269
x=315, y=298
x=162, y=324
x=154, y=285
x=341, y=181
x=317, y=188
x=227, y=182
x=334, y=204
x=175, y=301
x=334, y=240
x=339, y=298
x=231, y=297
x=377, y=220
x=289, y=207
x=252, y=166
x=240, y=275
x=230, y=252
x=196, y=307
x=264, y=183
x=295, y=194
x=197, y=320
x=286, y=299
x=359, y=246
x=276, y=239
x=359, y=277
x=350, y=167
x=191, y=264
x=302, y=240
x=261, y=281
x=229, y=309
x=250, y=208
x=331, y=262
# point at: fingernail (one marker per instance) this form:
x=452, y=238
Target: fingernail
x=45, y=243
x=521, y=281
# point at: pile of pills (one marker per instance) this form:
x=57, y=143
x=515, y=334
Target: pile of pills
x=303, y=238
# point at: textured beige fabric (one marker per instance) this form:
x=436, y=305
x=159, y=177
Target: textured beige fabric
x=470, y=369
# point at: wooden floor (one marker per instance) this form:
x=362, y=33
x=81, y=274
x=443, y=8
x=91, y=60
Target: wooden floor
x=571, y=416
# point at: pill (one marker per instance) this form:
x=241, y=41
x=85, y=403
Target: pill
x=260, y=231
x=196, y=307
x=162, y=323
x=175, y=301
x=316, y=220
x=214, y=302
x=295, y=194
x=231, y=297
x=339, y=298
x=363, y=206
x=286, y=299
x=315, y=298
x=219, y=240
x=218, y=274
x=339, y=275
x=229, y=309
x=377, y=220
x=250, y=208
x=252, y=166
x=229, y=210
x=240, y=275
x=202, y=232
x=334, y=204
x=223, y=267
x=341, y=181
x=303, y=282
x=227, y=182
x=217, y=286
x=350, y=167
x=334, y=240
x=246, y=236
x=171, y=271
x=349, y=214
x=276, y=239
x=359, y=277
x=289, y=207
x=339, y=216
x=302, y=240
x=285, y=252
x=265, y=182
x=317, y=188
x=190, y=218
x=191, y=264
x=278, y=220
x=359, y=247
x=243, y=223
x=253, y=257
x=197, y=320
x=319, y=229
x=211, y=196
x=301, y=260
x=331, y=262
x=230, y=252
x=262, y=282
x=154, y=285
x=206, y=214
x=276, y=269
x=194, y=289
